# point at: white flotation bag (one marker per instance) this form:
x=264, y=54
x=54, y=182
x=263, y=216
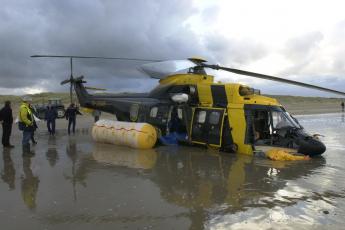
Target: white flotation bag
x=135, y=135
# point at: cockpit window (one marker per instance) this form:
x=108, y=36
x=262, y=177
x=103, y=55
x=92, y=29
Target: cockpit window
x=214, y=118
x=281, y=119
x=201, y=116
x=153, y=112
x=245, y=91
x=180, y=113
x=134, y=111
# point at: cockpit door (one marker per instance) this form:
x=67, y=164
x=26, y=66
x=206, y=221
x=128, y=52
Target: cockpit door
x=207, y=126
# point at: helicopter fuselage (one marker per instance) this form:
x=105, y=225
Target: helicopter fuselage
x=232, y=117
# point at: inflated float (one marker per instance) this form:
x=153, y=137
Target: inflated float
x=135, y=135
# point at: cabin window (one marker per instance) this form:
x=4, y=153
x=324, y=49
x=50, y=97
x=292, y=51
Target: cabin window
x=134, y=111
x=153, y=112
x=192, y=89
x=201, y=117
x=245, y=91
x=214, y=118
x=180, y=113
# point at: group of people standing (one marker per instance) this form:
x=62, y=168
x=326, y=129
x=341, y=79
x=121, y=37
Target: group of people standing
x=27, y=122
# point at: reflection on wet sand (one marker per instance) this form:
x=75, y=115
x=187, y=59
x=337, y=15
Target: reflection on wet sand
x=71, y=151
x=29, y=183
x=9, y=172
x=52, y=154
x=124, y=156
x=81, y=166
x=221, y=178
x=200, y=180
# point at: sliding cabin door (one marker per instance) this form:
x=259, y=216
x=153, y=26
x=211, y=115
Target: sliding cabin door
x=207, y=126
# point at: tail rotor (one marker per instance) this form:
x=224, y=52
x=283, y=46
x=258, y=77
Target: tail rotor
x=70, y=80
x=73, y=80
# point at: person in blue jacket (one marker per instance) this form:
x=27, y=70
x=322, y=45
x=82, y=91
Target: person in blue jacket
x=50, y=117
x=71, y=116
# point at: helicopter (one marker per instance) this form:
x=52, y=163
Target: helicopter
x=188, y=102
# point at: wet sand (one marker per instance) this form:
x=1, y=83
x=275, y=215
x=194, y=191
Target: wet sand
x=73, y=183
x=300, y=108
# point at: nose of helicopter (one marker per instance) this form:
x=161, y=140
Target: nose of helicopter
x=311, y=146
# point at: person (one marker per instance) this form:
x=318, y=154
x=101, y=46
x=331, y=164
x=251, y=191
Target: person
x=71, y=116
x=342, y=106
x=6, y=117
x=96, y=113
x=33, y=111
x=26, y=123
x=50, y=117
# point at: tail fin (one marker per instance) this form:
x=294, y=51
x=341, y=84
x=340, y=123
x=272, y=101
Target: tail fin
x=78, y=83
x=83, y=96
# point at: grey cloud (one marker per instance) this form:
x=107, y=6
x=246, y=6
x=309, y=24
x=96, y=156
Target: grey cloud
x=301, y=51
x=123, y=28
x=143, y=29
x=209, y=15
x=235, y=52
x=302, y=47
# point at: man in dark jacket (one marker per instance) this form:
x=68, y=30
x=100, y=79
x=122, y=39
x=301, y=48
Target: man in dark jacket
x=7, y=120
x=71, y=116
x=50, y=117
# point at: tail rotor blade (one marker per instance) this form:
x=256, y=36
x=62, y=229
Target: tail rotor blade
x=94, y=88
x=65, y=81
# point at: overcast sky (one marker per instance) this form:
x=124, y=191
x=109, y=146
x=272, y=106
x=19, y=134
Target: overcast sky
x=296, y=39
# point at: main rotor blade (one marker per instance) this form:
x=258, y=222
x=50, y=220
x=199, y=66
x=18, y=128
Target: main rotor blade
x=272, y=78
x=94, y=57
x=94, y=88
x=160, y=70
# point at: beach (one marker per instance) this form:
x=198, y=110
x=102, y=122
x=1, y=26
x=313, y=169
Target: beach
x=73, y=182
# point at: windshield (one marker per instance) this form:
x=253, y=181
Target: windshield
x=281, y=119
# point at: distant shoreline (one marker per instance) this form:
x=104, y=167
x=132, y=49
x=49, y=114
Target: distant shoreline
x=309, y=105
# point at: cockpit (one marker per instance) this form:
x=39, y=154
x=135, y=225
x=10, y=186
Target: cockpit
x=270, y=125
x=273, y=126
